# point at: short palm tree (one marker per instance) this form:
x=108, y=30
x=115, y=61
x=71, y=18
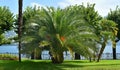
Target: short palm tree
x=62, y=30
x=30, y=33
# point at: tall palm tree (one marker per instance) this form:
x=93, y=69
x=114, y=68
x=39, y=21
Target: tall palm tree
x=20, y=26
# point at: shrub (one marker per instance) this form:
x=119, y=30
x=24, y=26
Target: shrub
x=8, y=57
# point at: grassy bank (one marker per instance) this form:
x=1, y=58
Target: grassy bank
x=67, y=65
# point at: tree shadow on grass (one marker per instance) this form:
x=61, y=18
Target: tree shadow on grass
x=28, y=65
x=37, y=65
x=47, y=65
x=70, y=64
x=82, y=64
x=103, y=64
x=77, y=61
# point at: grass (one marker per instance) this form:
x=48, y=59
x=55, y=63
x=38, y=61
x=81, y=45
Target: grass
x=67, y=65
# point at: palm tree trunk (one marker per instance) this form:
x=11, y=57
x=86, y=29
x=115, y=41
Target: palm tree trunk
x=38, y=57
x=90, y=59
x=56, y=51
x=114, y=53
x=94, y=56
x=77, y=56
x=114, y=50
x=37, y=53
x=32, y=55
x=20, y=27
x=57, y=57
x=101, y=50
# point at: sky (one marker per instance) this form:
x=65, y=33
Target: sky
x=102, y=6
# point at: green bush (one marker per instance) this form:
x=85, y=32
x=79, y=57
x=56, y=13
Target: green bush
x=8, y=57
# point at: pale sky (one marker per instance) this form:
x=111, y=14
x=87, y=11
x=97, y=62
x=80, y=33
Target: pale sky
x=102, y=6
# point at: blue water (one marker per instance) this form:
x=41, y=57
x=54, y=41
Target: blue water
x=14, y=48
x=108, y=48
x=45, y=54
x=8, y=49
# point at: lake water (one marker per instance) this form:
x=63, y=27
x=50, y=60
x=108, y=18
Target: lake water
x=9, y=49
x=45, y=55
x=14, y=48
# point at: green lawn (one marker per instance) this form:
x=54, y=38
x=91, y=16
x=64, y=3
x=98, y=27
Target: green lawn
x=67, y=65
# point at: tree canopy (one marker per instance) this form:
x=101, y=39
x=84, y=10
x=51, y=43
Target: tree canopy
x=6, y=23
x=114, y=15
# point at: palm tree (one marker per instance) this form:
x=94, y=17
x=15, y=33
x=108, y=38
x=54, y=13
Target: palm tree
x=114, y=16
x=92, y=19
x=30, y=36
x=66, y=29
x=20, y=27
x=62, y=30
x=106, y=33
x=6, y=23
